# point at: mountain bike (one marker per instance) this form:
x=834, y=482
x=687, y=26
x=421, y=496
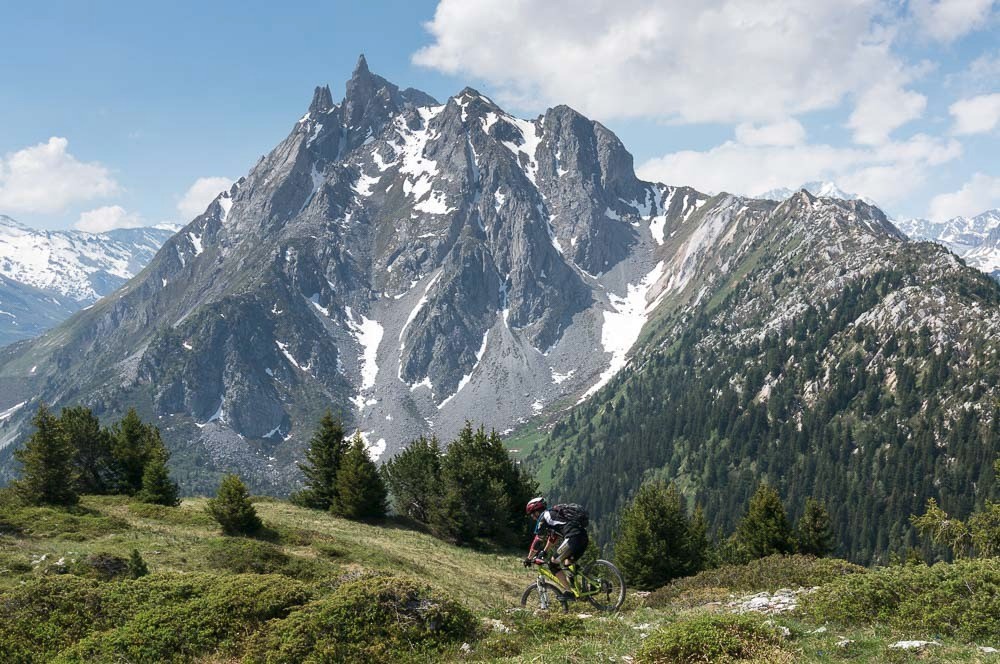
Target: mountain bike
x=599, y=583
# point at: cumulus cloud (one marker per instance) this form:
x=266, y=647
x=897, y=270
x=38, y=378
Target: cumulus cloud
x=882, y=109
x=976, y=115
x=106, y=219
x=886, y=173
x=786, y=132
x=200, y=194
x=739, y=61
x=977, y=195
x=45, y=178
x=947, y=20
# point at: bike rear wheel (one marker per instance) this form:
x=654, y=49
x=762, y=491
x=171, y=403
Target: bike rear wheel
x=544, y=601
x=604, y=579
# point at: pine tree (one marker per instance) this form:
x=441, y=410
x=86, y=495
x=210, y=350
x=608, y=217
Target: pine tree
x=360, y=493
x=323, y=458
x=814, y=533
x=48, y=476
x=92, y=449
x=157, y=487
x=413, y=478
x=656, y=541
x=764, y=528
x=232, y=508
x=134, y=444
x=136, y=565
x=483, y=491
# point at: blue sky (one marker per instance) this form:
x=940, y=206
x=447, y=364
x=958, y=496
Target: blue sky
x=119, y=114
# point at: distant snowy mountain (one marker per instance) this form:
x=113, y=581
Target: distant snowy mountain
x=821, y=189
x=45, y=276
x=975, y=239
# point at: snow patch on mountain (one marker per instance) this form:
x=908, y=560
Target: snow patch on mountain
x=623, y=324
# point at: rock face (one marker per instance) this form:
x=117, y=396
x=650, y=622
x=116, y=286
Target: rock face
x=407, y=263
x=46, y=276
x=974, y=239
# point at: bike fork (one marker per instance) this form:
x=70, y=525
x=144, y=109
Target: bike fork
x=543, y=594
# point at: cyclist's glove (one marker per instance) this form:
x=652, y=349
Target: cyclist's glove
x=527, y=562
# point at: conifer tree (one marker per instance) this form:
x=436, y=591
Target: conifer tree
x=136, y=565
x=483, y=491
x=814, y=534
x=48, y=476
x=134, y=444
x=413, y=478
x=323, y=458
x=92, y=449
x=232, y=508
x=764, y=529
x=157, y=487
x=361, y=492
x=656, y=542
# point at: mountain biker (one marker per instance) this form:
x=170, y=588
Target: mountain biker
x=566, y=522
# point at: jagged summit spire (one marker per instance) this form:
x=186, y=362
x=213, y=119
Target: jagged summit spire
x=322, y=100
x=361, y=68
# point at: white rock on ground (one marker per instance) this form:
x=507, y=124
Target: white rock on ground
x=913, y=645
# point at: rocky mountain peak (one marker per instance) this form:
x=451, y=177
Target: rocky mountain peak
x=322, y=101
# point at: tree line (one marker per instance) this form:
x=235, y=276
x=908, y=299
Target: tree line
x=72, y=454
x=658, y=540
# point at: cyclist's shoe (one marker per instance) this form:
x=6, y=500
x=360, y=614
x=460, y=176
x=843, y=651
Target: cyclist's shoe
x=567, y=596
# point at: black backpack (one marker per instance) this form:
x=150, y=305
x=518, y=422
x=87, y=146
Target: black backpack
x=572, y=513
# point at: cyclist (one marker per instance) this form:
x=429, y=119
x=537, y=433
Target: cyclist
x=566, y=522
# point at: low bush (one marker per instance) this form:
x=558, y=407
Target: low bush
x=45, y=615
x=713, y=638
x=101, y=566
x=241, y=555
x=70, y=523
x=172, y=515
x=958, y=599
x=161, y=618
x=770, y=573
x=371, y=619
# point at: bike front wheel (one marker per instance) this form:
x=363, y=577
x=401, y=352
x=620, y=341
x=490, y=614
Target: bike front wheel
x=603, y=585
x=544, y=600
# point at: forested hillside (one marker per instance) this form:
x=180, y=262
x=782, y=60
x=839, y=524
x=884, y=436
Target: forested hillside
x=865, y=379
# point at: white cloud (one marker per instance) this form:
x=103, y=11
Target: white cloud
x=107, y=218
x=200, y=194
x=785, y=132
x=887, y=173
x=979, y=194
x=45, y=178
x=947, y=20
x=976, y=115
x=882, y=109
x=687, y=60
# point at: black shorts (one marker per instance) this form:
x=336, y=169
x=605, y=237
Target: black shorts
x=573, y=547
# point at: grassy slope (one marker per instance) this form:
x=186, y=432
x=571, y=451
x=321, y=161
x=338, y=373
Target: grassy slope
x=180, y=540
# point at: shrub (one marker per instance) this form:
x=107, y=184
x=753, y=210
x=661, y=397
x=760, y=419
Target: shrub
x=961, y=599
x=245, y=556
x=769, y=574
x=180, y=517
x=137, y=567
x=181, y=618
x=232, y=508
x=101, y=566
x=72, y=523
x=713, y=638
x=372, y=619
x=45, y=615
x=248, y=556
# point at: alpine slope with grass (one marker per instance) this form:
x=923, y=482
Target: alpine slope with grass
x=114, y=580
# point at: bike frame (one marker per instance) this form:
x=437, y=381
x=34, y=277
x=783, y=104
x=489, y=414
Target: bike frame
x=545, y=574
